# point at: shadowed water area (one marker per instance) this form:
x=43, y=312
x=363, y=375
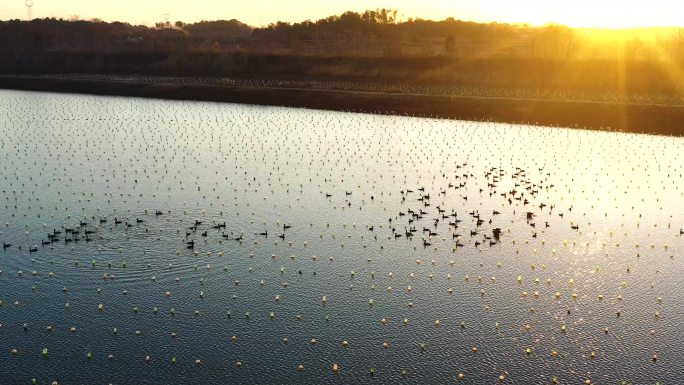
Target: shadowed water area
x=149, y=242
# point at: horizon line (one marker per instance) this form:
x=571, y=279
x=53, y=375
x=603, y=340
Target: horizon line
x=403, y=21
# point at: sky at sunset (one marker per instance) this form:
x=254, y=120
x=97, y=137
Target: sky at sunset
x=578, y=13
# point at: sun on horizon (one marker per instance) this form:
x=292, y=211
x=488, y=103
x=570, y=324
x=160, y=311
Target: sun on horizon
x=583, y=13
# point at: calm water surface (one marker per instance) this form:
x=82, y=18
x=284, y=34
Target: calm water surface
x=583, y=283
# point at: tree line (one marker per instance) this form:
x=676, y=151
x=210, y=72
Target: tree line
x=371, y=33
x=372, y=45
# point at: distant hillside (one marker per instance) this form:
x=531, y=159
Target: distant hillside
x=369, y=46
x=372, y=33
x=97, y=36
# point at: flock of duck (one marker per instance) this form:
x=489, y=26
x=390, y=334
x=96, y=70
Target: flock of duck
x=152, y=241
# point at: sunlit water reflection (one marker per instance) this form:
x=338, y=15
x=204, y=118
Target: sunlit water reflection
x=594, y=294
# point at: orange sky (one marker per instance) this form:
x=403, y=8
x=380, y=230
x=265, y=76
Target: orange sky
x=580, y=13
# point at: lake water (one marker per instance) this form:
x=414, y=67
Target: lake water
x=583, y=283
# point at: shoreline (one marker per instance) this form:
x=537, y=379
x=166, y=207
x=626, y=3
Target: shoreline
x=633, y=118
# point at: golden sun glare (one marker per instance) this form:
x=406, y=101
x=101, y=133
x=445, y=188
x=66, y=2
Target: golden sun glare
x=585, y=13
x=615, y=18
